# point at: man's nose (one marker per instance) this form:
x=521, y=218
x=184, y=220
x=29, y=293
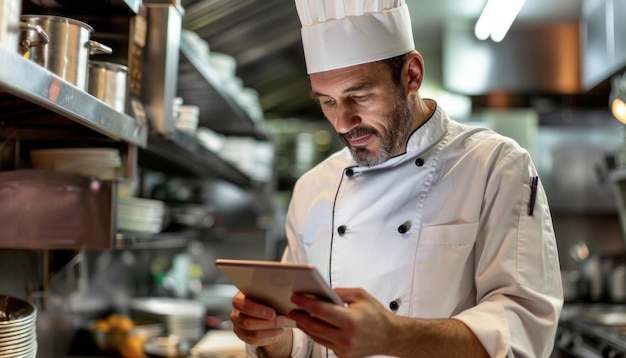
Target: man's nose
x=346, y=118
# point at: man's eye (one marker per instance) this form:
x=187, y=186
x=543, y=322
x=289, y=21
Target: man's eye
x=328, y=102
x=360, y=98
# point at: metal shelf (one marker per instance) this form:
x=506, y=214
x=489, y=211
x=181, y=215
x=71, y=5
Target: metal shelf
x=133, y=5
x=164, y=240
x=28, y=81
x=199, y=85
x=82, y=6
x=184, y=154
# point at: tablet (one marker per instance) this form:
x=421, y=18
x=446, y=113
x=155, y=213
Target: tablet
x=272, y=283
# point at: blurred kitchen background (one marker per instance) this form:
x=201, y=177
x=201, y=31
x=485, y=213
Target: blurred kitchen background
x=215, y=125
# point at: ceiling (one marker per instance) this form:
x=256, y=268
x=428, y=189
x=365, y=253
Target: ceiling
x=264, y=38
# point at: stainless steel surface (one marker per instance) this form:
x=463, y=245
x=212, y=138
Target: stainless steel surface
x=266, y=42
x=133, y=5
x=51, y=210
x=603, y=35
x=598, y=278
x=107, y=81
x=540, y=59
x=38, y=38
x=571, y=150
x=161, y=66
x=67, y=52
x=25, y=79
x=184, y=154
x=9, y=23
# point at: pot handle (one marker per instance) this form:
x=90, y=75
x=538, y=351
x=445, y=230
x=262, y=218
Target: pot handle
x=97, y=48
x=41, y=39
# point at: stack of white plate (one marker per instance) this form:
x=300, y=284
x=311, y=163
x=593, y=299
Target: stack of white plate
x=182, y=318
x=18, y=331
x=102, y=163
x=140, y=215
x=188, y=118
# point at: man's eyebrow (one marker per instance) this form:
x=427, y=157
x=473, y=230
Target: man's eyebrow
x=315, y=94
x=358, y=87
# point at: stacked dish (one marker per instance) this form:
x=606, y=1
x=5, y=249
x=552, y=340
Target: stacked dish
x=188, y=118
x=102, y=163
x=140, y=215
x=18, y=331
x=182, y=318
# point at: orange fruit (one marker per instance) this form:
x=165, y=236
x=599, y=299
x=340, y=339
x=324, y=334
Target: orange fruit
x=132, y=347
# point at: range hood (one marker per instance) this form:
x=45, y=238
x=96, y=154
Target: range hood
x=533, y=58
x=603, y=38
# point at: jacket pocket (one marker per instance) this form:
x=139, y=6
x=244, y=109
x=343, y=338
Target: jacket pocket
x=444, y=269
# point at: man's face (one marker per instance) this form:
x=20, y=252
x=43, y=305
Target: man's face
x=372, y=116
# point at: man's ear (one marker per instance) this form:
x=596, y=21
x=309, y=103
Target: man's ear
x=413, y=72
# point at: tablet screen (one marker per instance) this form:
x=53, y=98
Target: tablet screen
x=273, y=283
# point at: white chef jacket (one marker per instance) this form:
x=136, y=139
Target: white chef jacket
x=440, y=231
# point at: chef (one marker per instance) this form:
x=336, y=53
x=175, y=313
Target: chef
x=436, y=235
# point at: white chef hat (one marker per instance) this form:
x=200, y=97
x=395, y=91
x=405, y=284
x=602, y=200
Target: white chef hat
x=342, y=33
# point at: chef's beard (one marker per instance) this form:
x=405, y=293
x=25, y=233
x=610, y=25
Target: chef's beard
x=393, y=138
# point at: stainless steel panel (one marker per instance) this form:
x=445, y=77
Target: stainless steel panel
x=619, y=10
x=572, y=162
x=595, y=41
x=531, y=59
x=160, y=67
x=9, y=23
x=603, y=41
x=25, y=79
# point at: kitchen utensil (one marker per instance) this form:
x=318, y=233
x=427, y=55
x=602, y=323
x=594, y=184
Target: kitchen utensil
x=18, y=334
x=188, y=118
x=107, y=82
x=166, y=347
x=67, y=52
x=617, y=286
x=182, y=318
x=140, y=215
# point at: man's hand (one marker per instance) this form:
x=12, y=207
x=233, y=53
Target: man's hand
x=358, y=330
x=258, y=325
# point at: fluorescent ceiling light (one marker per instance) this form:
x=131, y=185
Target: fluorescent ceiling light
x=496, y=19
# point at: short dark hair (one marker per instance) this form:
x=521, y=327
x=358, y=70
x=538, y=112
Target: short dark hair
x=395, y=65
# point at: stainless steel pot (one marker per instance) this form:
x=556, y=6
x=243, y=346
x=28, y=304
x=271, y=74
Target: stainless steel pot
x=604, y=278
x=107, y=82
x=67, y=52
